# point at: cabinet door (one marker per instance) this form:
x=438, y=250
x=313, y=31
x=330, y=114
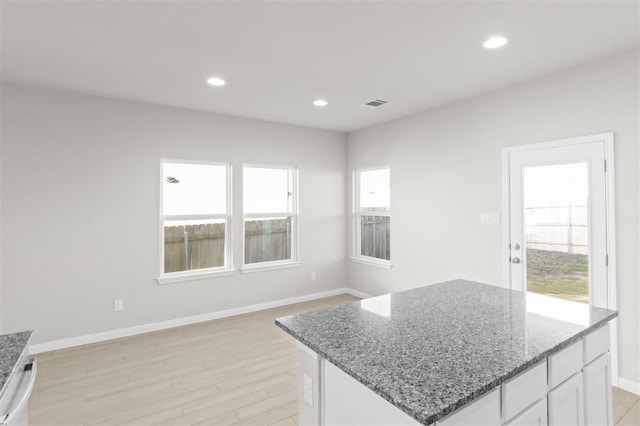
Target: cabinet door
x=566, y=403
x=597, y=392
x=536, y=415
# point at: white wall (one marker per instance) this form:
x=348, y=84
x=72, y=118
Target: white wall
x=80, y=190
x=446, y=169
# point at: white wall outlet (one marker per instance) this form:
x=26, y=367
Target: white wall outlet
x=313, y=276
x=490, y=218
x=118, y=305
x=308, y=389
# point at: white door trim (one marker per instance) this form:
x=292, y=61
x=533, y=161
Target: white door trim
x=607, y=139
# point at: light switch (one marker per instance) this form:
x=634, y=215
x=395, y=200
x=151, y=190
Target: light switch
x=490, y=218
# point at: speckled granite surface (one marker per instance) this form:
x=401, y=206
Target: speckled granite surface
x=12, y=348
x=431, y=350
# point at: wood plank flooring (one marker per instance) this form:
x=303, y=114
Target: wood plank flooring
x=239, y=370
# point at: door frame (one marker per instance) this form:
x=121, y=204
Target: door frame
x=607, y=139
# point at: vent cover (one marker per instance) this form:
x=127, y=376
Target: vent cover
x=374, y=103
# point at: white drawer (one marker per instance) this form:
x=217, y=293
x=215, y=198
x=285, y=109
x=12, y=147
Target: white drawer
x=484, y=411
x=534, y=415
x=596, y=343
x=565, y=364
x=523, y=390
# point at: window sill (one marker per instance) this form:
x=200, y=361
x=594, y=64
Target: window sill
x=268, y=266
x=370, y=261
x=193, y=276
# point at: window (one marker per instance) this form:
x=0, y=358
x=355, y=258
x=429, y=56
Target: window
x=270, y=216
x=372, y=216
x=195, y=220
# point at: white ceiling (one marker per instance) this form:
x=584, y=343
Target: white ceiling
x=278, y=56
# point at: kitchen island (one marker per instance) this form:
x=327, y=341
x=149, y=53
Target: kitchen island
x=453, y=353
x=17, y=376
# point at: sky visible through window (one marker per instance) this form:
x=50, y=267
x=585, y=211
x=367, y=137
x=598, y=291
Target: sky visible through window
x=374, y=189
x=196, y=189
x=267, y=190
x=200, y=189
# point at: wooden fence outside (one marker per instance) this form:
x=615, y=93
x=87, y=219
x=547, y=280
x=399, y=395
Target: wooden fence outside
x=265, y=240
x=374, y=236
x=559, y=228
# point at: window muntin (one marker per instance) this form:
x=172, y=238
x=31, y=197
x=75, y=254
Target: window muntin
x=270, y=215
x=195, y=218
x=372, y=224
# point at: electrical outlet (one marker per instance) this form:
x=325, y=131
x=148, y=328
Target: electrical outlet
x=313, y=276
x=118, y=305
x=308, y=390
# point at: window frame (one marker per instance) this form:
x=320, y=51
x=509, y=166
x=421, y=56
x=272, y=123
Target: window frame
x=359, y=212
x=294, y=214
x=198, y=274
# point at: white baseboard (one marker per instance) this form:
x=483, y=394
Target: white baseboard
x=629, y=385
x=357, y=293
x=163, y=325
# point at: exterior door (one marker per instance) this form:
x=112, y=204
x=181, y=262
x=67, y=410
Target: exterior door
x=557, y=219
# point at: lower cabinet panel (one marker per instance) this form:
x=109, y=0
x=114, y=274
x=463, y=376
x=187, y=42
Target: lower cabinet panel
x=566, y=403
x=348, y=402
x=598, y=410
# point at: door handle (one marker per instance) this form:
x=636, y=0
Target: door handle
x=515, y=260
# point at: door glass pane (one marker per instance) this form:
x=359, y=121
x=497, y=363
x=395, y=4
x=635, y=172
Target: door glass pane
x=556, y=232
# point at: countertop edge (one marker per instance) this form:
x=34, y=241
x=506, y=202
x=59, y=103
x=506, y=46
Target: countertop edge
x=430, y=419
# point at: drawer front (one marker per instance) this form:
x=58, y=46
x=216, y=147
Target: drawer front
x=536, y=415
x=485, y=411
x=596, y=343
x=523, y=390
x=565, y=364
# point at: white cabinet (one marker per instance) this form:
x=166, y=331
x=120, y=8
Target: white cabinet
x=483, y=412
x=536, y=415
x=566, y=403
x=570, y=387
x=597, y=392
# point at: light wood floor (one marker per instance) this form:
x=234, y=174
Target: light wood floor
x=238, y=370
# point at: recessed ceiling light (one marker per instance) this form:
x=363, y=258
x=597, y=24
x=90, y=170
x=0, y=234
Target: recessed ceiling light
x=216, y=81
x=320, y=102
x=495, y=42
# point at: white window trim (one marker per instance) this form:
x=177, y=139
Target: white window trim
x=294, y=262
x=198, y=274
x=269, y=266
x=357, y=257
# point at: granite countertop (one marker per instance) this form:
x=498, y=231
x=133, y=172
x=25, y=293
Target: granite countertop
x=13, y=347
x=433, y=349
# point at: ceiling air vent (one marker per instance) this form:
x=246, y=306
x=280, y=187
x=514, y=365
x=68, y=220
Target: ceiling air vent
x=374, y=103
